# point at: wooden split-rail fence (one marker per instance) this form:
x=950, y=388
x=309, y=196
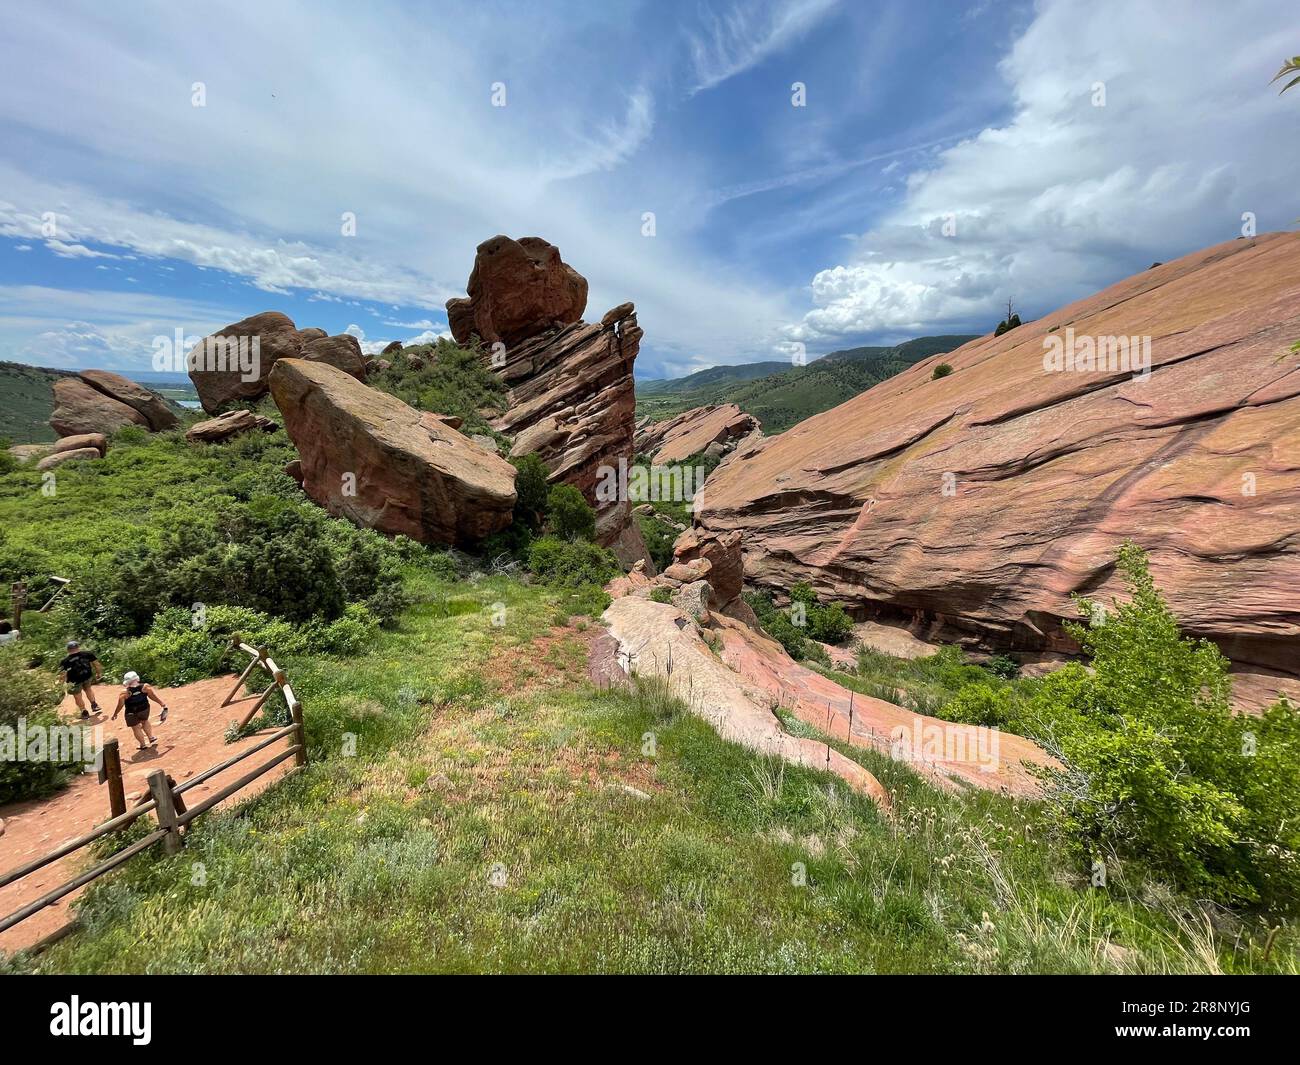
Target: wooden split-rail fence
x=166, y=798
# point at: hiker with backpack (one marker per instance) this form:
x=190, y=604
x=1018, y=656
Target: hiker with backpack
x=134, y=699
x=80, y=671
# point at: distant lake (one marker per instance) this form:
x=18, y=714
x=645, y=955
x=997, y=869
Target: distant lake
x=188, y=404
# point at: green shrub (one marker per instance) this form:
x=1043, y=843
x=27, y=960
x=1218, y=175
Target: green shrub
x=1156, y=764
x=569, y=515
x=1003, y=666
x=27, y=700
x=449, y=380
x=662, y=595
x=531, y=491
x=777, y=624
x=942, y=370
x=979, y=704
x=659, y=539
x=829, y=624
x=570, y=563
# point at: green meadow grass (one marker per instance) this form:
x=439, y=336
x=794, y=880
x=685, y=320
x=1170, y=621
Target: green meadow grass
x=499, y=815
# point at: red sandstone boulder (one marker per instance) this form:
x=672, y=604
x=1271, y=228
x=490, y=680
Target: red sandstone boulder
x=518, y=288
x=722, y=551
x=224, y=426
x=82, y=440
x=58, y=458
x=80, y=408
x=148, y=404
x=369, y=457
x=234, y=362
x=342, y=351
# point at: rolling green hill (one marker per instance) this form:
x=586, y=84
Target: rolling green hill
x=26, y=402
x=786, y=396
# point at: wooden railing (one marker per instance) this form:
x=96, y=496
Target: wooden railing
x=166, y=802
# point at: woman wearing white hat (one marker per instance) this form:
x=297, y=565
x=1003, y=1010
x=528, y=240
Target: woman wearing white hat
x=135, y=698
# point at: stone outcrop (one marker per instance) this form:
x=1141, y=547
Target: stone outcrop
x=722, y=551
x=157, y=415
x=81, y=408
x=224, y=426
x=518, y=288
x=76, y=454
x=694, y=432
x=367, y=456
x=235, y=362
x=974, y=505
x=98, y=441
x=571, y=393
x=656, y=639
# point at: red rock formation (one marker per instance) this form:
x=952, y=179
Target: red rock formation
x=368, y=457
x=235, y=362
x=692, y=431
x=157, y=415
x=984, y=499
x=224, y=426
x=81, y=408
x=571, y=394
x=517, y=289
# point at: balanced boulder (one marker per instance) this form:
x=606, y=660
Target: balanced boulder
x=369, y=457
x=517, y=289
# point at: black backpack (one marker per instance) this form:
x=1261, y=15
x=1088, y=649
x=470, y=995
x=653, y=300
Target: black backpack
x=79, y=668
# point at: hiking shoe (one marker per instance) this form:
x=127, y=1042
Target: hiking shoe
x=153, y=742
x=85, y=714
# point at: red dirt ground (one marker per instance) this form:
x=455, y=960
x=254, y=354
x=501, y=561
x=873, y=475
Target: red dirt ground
x=191, y=741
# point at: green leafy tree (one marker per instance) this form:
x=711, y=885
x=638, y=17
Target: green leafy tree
x=531, y=490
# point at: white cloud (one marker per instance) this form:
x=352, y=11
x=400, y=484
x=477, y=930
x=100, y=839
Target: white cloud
x=742, y=36
x=75, y=251
x=1067, y=197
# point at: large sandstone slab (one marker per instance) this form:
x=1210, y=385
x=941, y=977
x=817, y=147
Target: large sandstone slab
x=369, y=457
x=981, y=501
x=656, y=639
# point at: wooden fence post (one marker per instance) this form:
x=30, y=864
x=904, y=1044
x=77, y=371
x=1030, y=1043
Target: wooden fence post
x=110, y=773
x=165, y=811
x=295, y=711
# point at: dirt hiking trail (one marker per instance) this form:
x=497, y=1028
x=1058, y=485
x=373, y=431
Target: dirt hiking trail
x=191, y=740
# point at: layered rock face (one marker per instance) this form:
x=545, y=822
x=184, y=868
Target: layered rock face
x=236, y=361
x=572, y=397
x=367, y=456
x=96, y=401
x=693, y=432
x=976, y=504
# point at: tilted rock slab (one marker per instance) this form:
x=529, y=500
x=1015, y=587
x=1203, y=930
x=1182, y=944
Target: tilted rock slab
x=692, y=431
x=411, y=474
x=657, y=639
x=981, y=501
x=224, y=426
x=157, y=415
x=81, y=408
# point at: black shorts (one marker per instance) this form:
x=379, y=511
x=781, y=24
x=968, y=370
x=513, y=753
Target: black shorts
x=137, y=719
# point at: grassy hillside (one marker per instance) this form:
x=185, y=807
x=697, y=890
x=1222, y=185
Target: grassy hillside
x=782, y=399
x=26, y=403
x=500, y=812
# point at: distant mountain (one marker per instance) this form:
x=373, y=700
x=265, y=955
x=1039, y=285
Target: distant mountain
x=714, y=377
x=781, y=396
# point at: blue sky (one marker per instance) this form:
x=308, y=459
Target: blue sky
x=127, y=212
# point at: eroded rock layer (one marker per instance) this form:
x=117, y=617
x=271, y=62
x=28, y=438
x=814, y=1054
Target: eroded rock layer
x=981, y=501
x=694, y=431
x=572, y=399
